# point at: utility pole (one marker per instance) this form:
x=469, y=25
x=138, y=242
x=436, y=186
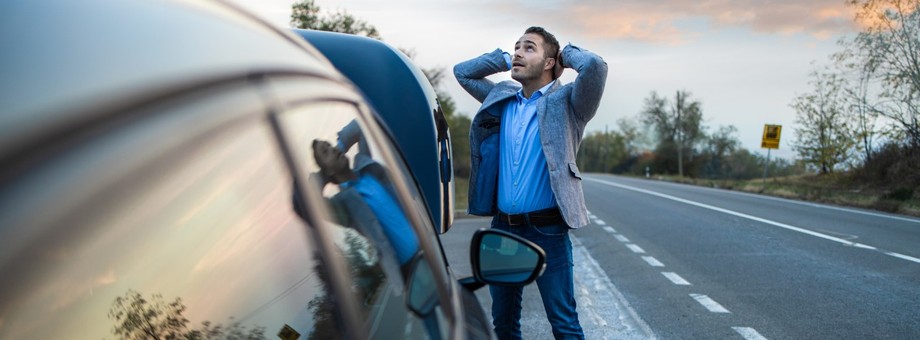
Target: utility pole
x=606, y=148
x=680, y=139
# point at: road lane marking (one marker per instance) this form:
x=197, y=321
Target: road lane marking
x=709, y=303
x=902, y=256
x=676, y=279
x=636, y=249
x=755, y=218
x=603, y=302
x=622, y=238
x=600, y=222
x=749, y=333
x=816, y=205
x=653, y=261
x=610, y=230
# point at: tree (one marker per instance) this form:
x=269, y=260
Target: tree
x=601, y=151
x=632, y=135
x=719, y=146
x=139, y=318
x=305, y=15
x=678, y=127
x=858, y=85
x=823, y=135
x=889, y=46
x=459, y=126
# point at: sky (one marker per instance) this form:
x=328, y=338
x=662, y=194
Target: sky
x=744, y=60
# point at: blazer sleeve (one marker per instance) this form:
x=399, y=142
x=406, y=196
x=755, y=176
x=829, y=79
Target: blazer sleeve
x=588, y=87
x=471, y=74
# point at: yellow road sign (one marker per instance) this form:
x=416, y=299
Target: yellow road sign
x=771, y=136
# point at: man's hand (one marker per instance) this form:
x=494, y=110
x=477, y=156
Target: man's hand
x=557, y=69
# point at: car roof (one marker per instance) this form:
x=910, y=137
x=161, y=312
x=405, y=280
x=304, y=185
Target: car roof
x=400, y=94
x=51, y=58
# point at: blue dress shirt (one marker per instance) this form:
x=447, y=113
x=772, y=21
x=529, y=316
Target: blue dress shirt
x=394, y=223
x=523, y=176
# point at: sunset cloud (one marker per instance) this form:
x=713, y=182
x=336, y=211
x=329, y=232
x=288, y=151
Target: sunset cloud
x=669, y=21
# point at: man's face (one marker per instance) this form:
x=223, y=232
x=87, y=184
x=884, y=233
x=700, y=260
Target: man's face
x=331, y=161
x=528, y=62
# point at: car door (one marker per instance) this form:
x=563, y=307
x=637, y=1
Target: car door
x=169, y=218
x=371, y=212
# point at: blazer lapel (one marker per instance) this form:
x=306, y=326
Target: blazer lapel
x=541, y=110
x=502, y=92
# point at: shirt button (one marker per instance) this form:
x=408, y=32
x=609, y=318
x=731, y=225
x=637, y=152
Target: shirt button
x=515, y=183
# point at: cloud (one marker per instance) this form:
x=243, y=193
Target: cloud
x=679, y=21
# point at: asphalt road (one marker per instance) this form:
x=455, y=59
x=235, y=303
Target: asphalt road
x=700, y=263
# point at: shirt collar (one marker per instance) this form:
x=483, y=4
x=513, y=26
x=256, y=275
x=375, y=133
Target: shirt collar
x=541, y=91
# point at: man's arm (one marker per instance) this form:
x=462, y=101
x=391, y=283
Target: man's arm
x=589, y=84
x=471, y=74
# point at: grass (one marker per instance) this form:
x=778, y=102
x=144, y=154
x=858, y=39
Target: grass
x=834, y=189
x=461, y=186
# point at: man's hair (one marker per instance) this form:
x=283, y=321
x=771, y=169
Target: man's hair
x=550, y=44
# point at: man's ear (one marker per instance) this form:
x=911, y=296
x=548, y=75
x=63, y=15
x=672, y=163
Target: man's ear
x=549, y=64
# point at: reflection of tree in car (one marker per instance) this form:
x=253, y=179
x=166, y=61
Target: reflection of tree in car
x=322, y=307
x=137, y=317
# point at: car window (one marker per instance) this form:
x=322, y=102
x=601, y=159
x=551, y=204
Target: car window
x=339, y=158
x=199, y=242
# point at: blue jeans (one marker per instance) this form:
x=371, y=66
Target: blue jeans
x=557, y=286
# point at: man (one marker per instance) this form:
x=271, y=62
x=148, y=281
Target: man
x=523, y=143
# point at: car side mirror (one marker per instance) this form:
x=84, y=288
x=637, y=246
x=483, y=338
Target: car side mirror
x=501, y=258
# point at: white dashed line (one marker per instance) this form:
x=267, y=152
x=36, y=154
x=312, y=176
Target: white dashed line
x=636, y=249
x=610, y=230
x=709, y=303
x=676, y=279
x=600, y=222
x=653, y=261
x=749, y=333
x=622, y=238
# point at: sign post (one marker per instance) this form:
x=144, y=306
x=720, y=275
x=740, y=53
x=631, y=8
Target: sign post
x=769, y=141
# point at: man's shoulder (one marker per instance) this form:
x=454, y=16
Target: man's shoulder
x=507, y=85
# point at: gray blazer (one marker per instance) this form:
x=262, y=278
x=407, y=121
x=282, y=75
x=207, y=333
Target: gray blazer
x=562, y=113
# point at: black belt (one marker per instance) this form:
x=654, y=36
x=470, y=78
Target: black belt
x=537, y=218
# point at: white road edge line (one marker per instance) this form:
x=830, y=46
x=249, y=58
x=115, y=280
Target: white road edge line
x=709, y=303
x=653, y=261
x=606, y=299
x=816, y=205
x=676, y=279
x=902, y=256
x=758, y=219
x=749, y=333
x=636, y=249
x=610, y=230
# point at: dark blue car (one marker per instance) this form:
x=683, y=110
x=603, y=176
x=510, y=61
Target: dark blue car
x=407, y=107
